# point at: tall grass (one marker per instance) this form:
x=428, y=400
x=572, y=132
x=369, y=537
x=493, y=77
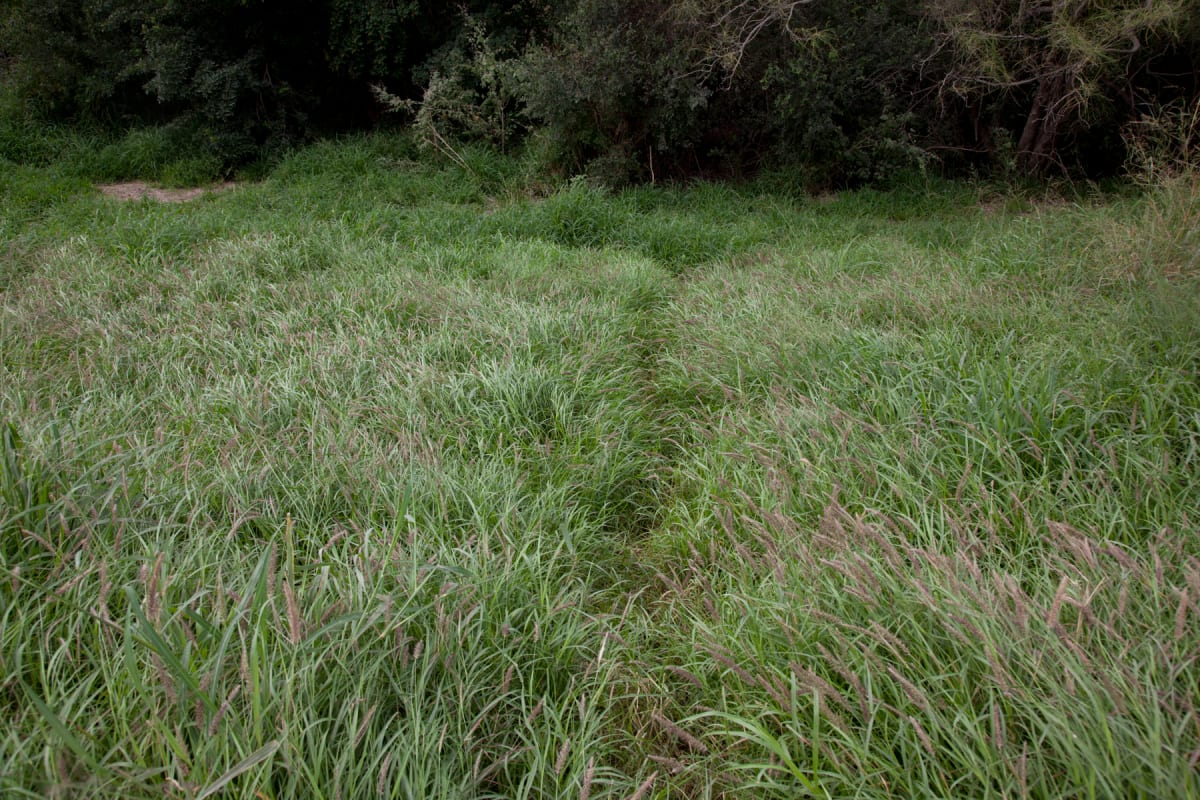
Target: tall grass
x=385, y=478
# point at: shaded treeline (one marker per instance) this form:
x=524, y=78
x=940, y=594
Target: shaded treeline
x=845, y=91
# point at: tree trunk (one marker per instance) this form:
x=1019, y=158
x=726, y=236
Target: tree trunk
x=1037, y=150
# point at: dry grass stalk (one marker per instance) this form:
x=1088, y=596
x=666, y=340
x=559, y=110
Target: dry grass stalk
x=889, y=640
x=188, y=633
x=198, y=706
x=910, y=689
x=779, y=565
x=218, y=595
x=164, y=678
x=589, y=774
x=215, y=722
x=151, y=579
x=79, y=541
x=1115, y=552
x=381, y=782
x=725, y=517
x=853, y=585
x=725, y=659
x=833, y=718
x=694, y=744
x=48, y=547
x=926, y=742
x=536, y=712
x=272, y=565
x=644, y=787
x=501, y=762
x=748, y=559
x=673, y=765
x=925, y=592
x=71, y=584
x=999, y=674
x=1052, y=616
x=687, y=676
x=1075, y=648
x=339, y=607
x=890, y=553
x=1074, y=541
x=843, y=670
x=561, y=762
x=816, y=683
x=362, y=727
x=400, y=645
x=244, y=667
x=776, y=689
x=475, y=727
x=783, y=529
x=506, y=681
x=832, y=532
x=670, y=583
x=295, y=623
x=1181, y=615
x=1021, y=769
x=972, y=636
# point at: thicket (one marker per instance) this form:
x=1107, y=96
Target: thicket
x=846, y=92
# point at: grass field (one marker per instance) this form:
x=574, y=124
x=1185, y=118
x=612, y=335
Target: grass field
x=380, y=478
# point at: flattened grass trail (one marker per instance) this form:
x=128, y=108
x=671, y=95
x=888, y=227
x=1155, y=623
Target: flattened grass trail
x=380, y=478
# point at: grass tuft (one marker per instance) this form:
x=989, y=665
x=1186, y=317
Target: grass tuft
x=382, y=478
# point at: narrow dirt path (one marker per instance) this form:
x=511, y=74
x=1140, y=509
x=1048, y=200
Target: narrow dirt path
x=137, y=190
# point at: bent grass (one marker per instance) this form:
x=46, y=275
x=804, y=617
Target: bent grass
x=379, y=479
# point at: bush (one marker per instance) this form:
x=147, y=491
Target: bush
x=615, y=85
x=242, y=76
x=841, y=93
x=630, y=89
x=843, y=107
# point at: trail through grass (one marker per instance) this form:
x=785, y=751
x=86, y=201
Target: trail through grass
x=384, y=478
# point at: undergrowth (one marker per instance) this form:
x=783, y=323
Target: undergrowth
x=380, y=477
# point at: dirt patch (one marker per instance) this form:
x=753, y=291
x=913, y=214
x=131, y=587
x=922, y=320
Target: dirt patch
x=136, y=190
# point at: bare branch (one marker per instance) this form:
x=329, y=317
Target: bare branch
x=727, y=28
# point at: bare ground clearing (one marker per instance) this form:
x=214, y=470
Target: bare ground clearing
x=136, y=190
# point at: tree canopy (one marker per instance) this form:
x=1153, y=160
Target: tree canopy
x=847, y=91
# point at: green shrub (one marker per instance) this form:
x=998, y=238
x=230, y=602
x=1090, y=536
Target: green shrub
x=241, y=75
x=614, y=87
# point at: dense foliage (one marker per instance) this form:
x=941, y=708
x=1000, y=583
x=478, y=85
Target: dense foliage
x=847, y=91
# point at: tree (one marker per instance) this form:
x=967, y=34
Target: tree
x=1053, y=58
x=723, y=31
